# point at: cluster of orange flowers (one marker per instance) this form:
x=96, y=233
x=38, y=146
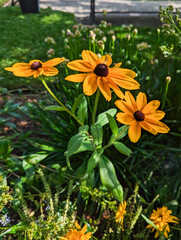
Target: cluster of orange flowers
x=96, y=73
x=161, y=217
x=77, y=233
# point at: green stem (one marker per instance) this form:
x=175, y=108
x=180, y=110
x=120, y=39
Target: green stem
x=61, y=104
x=110, y=143
x=95, y=106
x=165, y=95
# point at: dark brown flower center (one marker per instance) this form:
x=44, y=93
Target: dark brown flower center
x=36, y=65
x=101, y=70
x=139, y=116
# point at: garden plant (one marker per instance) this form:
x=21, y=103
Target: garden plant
x=102, y=160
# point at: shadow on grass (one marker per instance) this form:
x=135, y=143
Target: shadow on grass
x=22, y=39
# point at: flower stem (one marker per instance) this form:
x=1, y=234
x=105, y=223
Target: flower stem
x=165, y=95
x=61, y=104
x=95, y=106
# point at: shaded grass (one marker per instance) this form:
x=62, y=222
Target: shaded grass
x=22, y=39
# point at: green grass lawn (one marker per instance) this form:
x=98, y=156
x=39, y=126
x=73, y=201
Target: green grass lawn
x=22, y=38
x=2, y=2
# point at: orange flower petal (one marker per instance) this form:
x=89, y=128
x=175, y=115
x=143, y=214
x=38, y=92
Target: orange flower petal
x=116, y=89
x=88, y=236
x=141, y=100
x=129, y=84
x=123, y=71
x=131, y=101
x=146, y=126
x=127, y=72
x=156, y=234
x=80, y=65
x=119, y=93
x=117, y=65
x=77, y=77
x=21, y=65
x=90, y=57
x=157, y=115
x=123, y=106
x=134, y=132
x=36, y=74
x=122, y=80
x=157, y=125
x=125, y=118
x=83, y=230
x=104, y=88
x=151, y=107
x=111, y=82
x=11, y=69
x=106, y=59
x=51, y=71
x=53, y=62
x=90, y=84
x=24, y=73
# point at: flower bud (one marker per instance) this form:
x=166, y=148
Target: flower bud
x=168, y=79
x=77, y=33
x=113, y=38
x=135, y=31
x=128, y=36
x=75, y=27
x=158, y=30
x=104, y=39
x=50, y=53
x=67, y=47
x=50, y=40
x=104, y=11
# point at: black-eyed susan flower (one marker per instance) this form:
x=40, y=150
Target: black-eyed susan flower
x=140, y=114
x=121, y=212
x=98, y=74
x=161, y=217
x=35, y=68
x=74, y=234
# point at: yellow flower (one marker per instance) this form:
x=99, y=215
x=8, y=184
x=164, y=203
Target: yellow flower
x=98, y=74
x=140, y=114
x=35, y=68
x=120, y=213
x=73, y=234
x=161, y=218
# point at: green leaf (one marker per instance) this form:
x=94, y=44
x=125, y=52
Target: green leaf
x=122, y=148
x=73, y=145
x=76, y=102
x=93, y=161
x=83, y=129
x=85, y=146
x=149, y=221
x=54, y=108
x=102, y=118
x=113, y=124
x=120, y=130
x=18, y=227
x=4, y=146
x=35, y=158
x=109, y=179
x=82, y=111
x=97, y=134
